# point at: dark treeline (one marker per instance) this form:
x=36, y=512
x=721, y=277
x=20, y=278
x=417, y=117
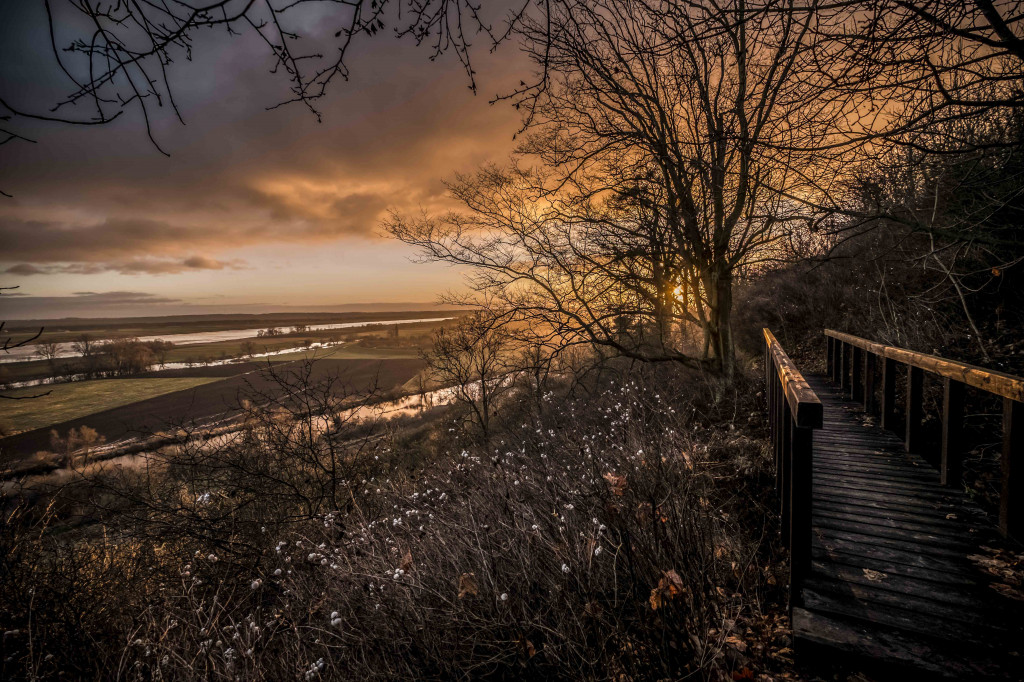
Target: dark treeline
x=96, y=358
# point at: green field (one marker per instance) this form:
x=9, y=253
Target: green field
x=82, y=398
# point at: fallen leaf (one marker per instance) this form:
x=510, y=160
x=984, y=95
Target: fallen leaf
x=406, y=564
x=655, y=599
x=527, y=650
x=669, y=586
x=467, y=585
x=874, y=576
x=672, y=583
x=1008, y=591
x=736, y=643
x=617, y=483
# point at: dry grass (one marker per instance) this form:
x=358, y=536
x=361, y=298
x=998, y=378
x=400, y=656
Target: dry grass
x=616, y=534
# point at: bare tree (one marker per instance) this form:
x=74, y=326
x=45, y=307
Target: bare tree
x=474, y=360
x=8, y=343
x=909, y=66
x=49, y=351
x=122, y=54
x=659, y=129
x=84, y=345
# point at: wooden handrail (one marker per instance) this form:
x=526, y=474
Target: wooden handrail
x=803, y=402
x=794, y=411
x=851, y=361
x=998, y=383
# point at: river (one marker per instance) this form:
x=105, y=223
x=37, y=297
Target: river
x=66, y=350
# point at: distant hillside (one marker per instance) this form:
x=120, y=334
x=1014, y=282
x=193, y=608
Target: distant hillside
x=274, y=316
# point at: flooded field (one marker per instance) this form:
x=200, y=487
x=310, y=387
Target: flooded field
x=66, y=350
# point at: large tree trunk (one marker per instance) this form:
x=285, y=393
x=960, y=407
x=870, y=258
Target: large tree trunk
x=664, y=309
x=720, y=321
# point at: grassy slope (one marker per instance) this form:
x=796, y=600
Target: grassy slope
x=81, y=398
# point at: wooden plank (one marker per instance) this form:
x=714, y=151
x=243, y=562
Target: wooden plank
x=883, y=532
x=856, y=479
x=893, y=561
x=849, y=485
x=875, y=462
x=933, y=532
x=927, y=551
x=881, y=501
x=966, y=596
x=867, y=510
x=887, y=472
x=901, y=609
x=920, y=477
x=891, y=651
x=827, y=597
x=890, y=543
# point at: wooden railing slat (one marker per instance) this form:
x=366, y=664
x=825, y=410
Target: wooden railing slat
x=803, y=402
x=846, y=357
x=1011, y=501
x=794, y=411
x=998, y=383
x=951, y=458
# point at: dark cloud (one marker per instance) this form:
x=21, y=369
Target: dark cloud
x=118, y=297
x=87, y=303
x=25, y=269
x=148, y=266
x=92, y=200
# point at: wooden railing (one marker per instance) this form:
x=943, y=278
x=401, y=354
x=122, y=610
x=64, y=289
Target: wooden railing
x=857, y=365
x=794, y=411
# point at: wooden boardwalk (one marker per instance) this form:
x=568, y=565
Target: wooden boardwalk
x=897, y=568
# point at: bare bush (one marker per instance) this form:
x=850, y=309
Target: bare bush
x=610, y=534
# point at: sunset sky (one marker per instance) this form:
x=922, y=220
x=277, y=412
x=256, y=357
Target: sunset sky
x=254, y=209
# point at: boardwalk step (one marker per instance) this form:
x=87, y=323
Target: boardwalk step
x=886, y=649
x=892, y=578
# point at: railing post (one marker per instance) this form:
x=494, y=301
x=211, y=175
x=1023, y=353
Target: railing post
x=1011, y=501
x=844, y=380
x=857, y=376
x=869, y=382
x=888, y=394
x=837, y=360
x=768, y=387
x=915, y=404
x=829, y=359
x=951, y=463
x=777, y=429
x=802, y=443
x=787, y=470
